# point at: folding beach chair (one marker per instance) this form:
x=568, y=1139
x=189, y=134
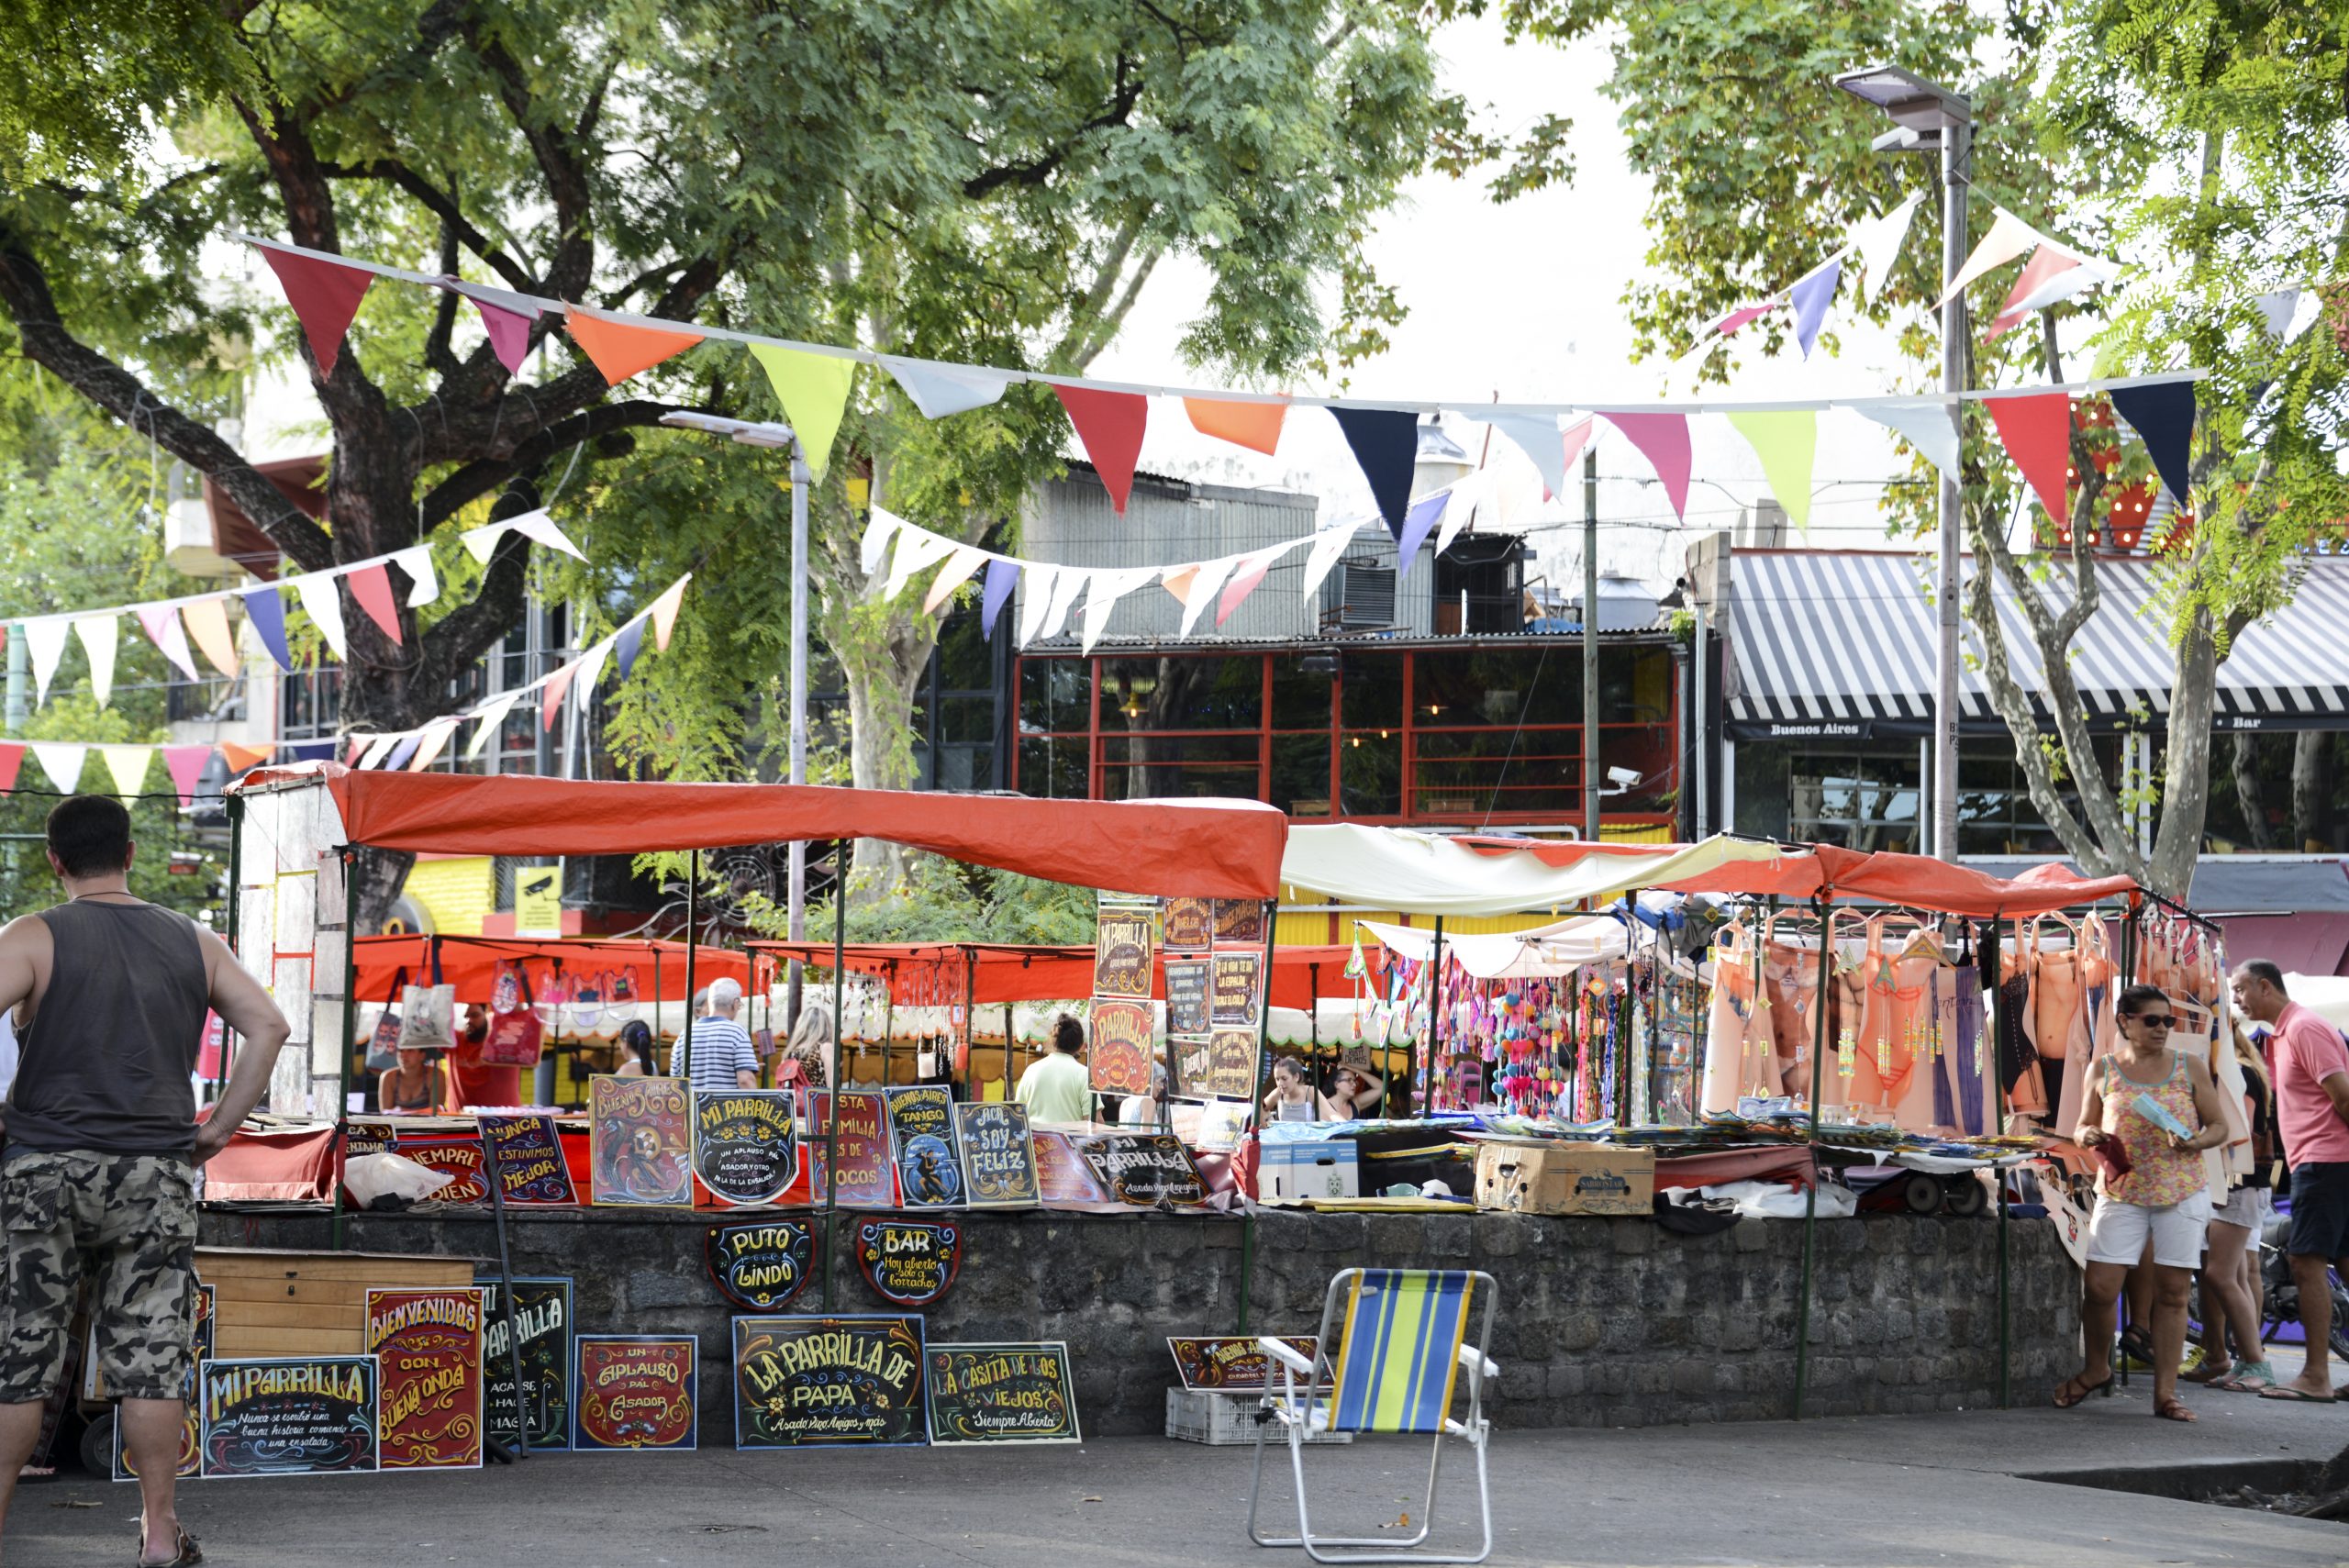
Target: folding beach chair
x=1401, y=1350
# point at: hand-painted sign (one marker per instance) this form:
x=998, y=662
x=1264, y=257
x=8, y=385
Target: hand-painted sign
x=1232, y=1064
x=1119, y=1056
x=1221, y=1365
x=633, y=1391
x=1238, y=920
x=806, y=1381
x=1186, y=996
x=529, y=1159
x=1236, y=990
x=430, y=1344
x=997, y=1155
x=867, y=1178
x=1144, y=1169
x=760, y=1265
x=1121, y=951
x=910, y=1263
x=191, y=1454
x=1190, y=924
x=542, y=1322
x=929, y=1154
x=456, y=1155
x=1061, y=1175
x=370, y=1137
x=639, y=1141
x=287, y=1416
x=746, y=1143
x=1001, y=1393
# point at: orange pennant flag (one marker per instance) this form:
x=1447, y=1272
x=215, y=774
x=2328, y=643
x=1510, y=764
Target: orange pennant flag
x=239, y=758
x=1256, y=426
x=620, y=348
x=207, y=623
x=1177, y=580
x=664, y=612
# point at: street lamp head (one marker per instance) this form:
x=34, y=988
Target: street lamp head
x=748, y=432
x=1923, y=107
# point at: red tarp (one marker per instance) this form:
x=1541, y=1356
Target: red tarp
x=1210, y=849
x=1012, y=973
x=470, y=964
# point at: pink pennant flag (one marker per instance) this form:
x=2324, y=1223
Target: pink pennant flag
x=372, y=587
x=509, y=333
x=2046, y=262
x=185, y=764
x=1110, y=424
x=161, y=623
x=551, y=696
x=12, y=760
x=324, y=296
x=664, y=612
x=1242, y=581
x=1662, y=440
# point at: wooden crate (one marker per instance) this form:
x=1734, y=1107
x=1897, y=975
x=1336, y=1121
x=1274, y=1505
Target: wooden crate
x=268, y=1302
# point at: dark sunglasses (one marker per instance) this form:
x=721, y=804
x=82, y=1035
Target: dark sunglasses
x=2152, y=1021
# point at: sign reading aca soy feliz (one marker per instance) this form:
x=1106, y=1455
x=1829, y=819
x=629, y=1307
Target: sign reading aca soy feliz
x=822, y=1381
x=1000, y=1154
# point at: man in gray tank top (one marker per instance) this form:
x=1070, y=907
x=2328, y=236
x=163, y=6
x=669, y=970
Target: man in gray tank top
x=100, y=1146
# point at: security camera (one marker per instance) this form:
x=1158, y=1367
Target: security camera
x=1623, y=778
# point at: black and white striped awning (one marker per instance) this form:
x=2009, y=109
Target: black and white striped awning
x=1840, y=643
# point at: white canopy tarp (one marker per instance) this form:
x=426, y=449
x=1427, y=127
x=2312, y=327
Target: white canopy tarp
x=1425, y=873
x=1557, y=949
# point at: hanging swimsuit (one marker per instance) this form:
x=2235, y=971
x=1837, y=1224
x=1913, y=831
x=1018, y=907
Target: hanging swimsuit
x=1966, y=1057
x=1790, y=980
x=1919, y=1096
x=2019, y=1070
x=1854, y=1020
x=2056, y=999
x=1730, y=1025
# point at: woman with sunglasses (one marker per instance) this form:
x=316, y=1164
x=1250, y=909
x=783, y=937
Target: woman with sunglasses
x=2156, y=1187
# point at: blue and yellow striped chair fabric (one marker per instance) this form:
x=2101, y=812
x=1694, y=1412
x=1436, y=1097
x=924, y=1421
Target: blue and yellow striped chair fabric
x=1401, y=1350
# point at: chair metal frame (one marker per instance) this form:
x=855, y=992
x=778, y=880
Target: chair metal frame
x=1311, y=1407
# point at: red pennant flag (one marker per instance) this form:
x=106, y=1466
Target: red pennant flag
x=1256, y=426
x=551, y=696
x=622, y=348
x=1110, y=424
x=2037, y=432
x=372, y=587
x=12, y=757
x=324, y=296
x=185, y=764
x=2046, y=262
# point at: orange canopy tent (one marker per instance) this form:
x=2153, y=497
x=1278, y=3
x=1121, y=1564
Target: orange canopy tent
x=1001, y=972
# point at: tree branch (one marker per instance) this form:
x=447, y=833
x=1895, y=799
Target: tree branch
x=556, y=151
x=478, y=478
x=1122, y=99
x=1107, y=327
x=436, y=352
x=442, y=205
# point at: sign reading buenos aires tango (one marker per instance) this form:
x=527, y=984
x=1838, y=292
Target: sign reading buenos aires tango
x=746, y=1143
x=910, y=1263
x=640, y=1140
x=633, y=1391
x=760, y=1266
x=287, y=1416
x=929, y=1154
x=542, y=1322
x=805, y=1382
x=998, y=1154
x=1001, y=1393
x=430, y=1344
x=529, y=1159
x=1223, y=1363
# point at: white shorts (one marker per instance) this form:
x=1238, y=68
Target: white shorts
x=2116, y=1231
x=2249, y=1208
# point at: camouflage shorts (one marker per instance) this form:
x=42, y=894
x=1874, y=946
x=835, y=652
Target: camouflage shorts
x=126, y=1224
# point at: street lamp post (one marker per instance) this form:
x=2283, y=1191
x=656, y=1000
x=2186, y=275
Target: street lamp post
x=1927, y=118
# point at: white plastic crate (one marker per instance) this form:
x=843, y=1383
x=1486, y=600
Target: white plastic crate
x=1226, y=1420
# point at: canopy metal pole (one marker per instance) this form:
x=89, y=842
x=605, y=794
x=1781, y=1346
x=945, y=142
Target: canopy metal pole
x=1435, y=1029
x=349, y=1030
x=1256, y=1104
x=840, y=1060
x=1007, y=1053
x=1999, y=1105
x=971, y=1025
x=656, y=1012
x=692, y=926
x=1811, y=1198
x=235, y=805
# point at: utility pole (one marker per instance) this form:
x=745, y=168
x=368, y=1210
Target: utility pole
x=796, y=907
x=1591, y=642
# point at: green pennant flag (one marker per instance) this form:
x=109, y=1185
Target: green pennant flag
x=814, y=390
x=1786, y=441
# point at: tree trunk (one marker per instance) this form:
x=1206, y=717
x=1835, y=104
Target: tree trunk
x=2312, y=791
x=880, y=702
x=2246, y=776
x=2185, y=767
x=381, y=874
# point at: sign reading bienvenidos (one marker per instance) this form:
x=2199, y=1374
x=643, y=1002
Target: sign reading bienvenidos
x=1001, y=1393
x=429, y=1343
x=543, y=1319
x=998, y=1154
x=746, y=1143
x=823, y=1381
x=760, y=1266
x=287, y=1416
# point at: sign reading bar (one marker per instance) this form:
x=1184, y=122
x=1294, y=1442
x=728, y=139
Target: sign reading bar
x=634, y=1391
x=1120, y=1053
x=430, y=1344
x=760, y=1266
x=1001, y=1393
x=1186, y=996
x=456, y=1156
x=1225, y=1363
x=529, y=1159
x=866, y=1179
x=910, y=1263
x=1190, y=924
x=1121, y=951
x=1236, y=990
x=542, y=1319
x=997, y=1155
x=639, y=1141
x=810, y=1382
x=746, y=1143
x=929, y=1156
x=1144, y=1169
x=287, y=1416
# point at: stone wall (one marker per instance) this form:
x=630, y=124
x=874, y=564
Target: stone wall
x=1602, y=1322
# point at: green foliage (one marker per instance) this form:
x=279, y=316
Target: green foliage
x=938, y=900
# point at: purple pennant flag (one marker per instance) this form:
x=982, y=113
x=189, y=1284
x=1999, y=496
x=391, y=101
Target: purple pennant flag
x=402, y=752
x=1417, y=523
x=267, y=612
x=1001, y=575
x=509, y=334
x=631, y=638
x=1812, y=294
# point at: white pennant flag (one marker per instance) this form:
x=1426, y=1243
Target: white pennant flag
x=1328, y=546
x=1035, y=599
x=591, y=669
x=2090, y=273
x=436, y=736
x=533, y=525
x=45, y=641
x=939, y=390
x=1536, y=434
x=1071, y=581
x=62, y=760
x=966, y=559
x=916, y=549
x=417, y=562
x=323, y=599
x=2010, y=236
x=127, y=764
x=1928, y=427
x=879, y=529
x=1108, y=587
x=1471, y=494
x=378, y=749
x=1878, y=241
x=1203, y=588
x=163, y=629
x=488, y=719
x=97, y=634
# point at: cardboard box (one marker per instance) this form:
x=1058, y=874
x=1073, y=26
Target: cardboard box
x=1532, y=1176
x=1288, y=1170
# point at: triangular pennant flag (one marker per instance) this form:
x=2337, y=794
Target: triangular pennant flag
x=1001, y=575
x=240, y=758
x=127, y=764
x=539, y=527
x=1111, y=425
x=1787, y=440
x=376, y=749
x=664, y=612
x=622, y=348
x=508, y=330
x=436, y=736
x=97, y=634
x=1070, y=582
x=1878, y=241
x=207, y=623
x=1386, y=446
x=1475, y=493
x=1246, y=573
x=957, y=571
x=324, y=296
x=2044, y=264
x=1209, y=578
x=1662, y=440
x=372, y=587
x=185, y=764
x=813, y=389
x=266, y=612
x=2275, y=308
x=879, y=529
x=62, y=761
x=1417, y=523
x=45, y=643
x=1810, y=295
x=423, y=582
x=491, y=717
x=1329, y=545
x=916, y=547
x=2163, y=417
x=1578, y=437
x=631, y=638
x=1036, y=601
x=1256, y=426
x=161, y=624
x=939, y=389
x=1108, y=587
x=12, y=762
x=1930, y=428
x=324, y=602
x=402, y=752
x=591, y=670
x=2009, y=238
x=1728, y=325
x=1536, y=436
x=551, y=695
x=2037, y=431
x=1176, y=580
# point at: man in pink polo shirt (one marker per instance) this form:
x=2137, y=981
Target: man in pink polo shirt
x=2310, y=1067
